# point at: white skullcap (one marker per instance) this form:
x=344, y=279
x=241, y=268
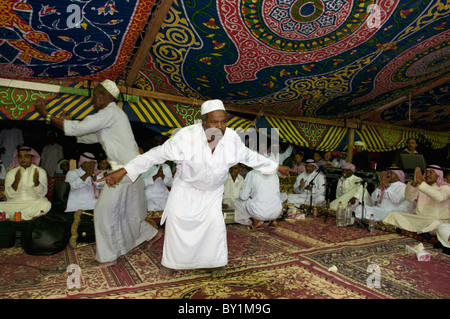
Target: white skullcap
x=212, y=105
x=111, y=87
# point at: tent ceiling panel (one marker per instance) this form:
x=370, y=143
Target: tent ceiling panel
x=384, y=61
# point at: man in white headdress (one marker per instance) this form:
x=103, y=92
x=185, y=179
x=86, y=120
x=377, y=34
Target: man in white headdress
x=232, y=187
x=388, y=196
x=340, y=160
x=120, y=212
x=361, y=159
x=311, y=182
x=84, y=188
x=350, y=188
x=195, y=232
x=157, y=180
x=433, y=202
x=26, y=186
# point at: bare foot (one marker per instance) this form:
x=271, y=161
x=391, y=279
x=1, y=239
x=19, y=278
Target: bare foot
x=218, y=272
x=166, y=272
x=155, y=238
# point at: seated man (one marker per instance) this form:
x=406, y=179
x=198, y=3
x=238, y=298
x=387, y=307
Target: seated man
x=433, y=203
x=103, y=165
x=26, y=186
x=447, y=177
x=411, y=146
x=299, y=166
x=349, y=189
x=388, y=196
x=309, y=182
x=327, y=158
x=259, y=200
x=318, y=158
x=2, y=170
x=340, y=160
x=157, y=181
x=62, y=167
x=362, y=159
x=232, y=187
x=274, y=153
x=84, y=189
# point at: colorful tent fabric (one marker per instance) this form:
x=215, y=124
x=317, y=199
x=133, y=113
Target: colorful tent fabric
x=69, y=40
x=379, y=139
x=325, y=59
x=312, y=135
x=163, y=117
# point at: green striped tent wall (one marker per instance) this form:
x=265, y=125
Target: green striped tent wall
x=311, y=135
x=379, y=139
x=167, y=116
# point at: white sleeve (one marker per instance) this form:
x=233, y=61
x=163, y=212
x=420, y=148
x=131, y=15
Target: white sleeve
x=247, y=187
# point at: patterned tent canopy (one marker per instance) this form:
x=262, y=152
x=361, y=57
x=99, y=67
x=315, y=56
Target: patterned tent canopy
x=381, y=62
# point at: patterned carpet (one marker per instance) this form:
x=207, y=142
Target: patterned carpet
x=290, y=262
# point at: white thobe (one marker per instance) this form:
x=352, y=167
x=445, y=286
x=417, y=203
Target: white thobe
x=303, y=196
x=83, y=194
x=432, y=209
x=28, y=199
x=279, y=157
x=195, y=235
x=120, y=211
x=10, y=139
x=50, y=156
x=232, y=189
x=157, y=191
x=443, y=234
x=338, y=162
x=392, y=199
x=2, y=171
x=348, y=188
x=259, y=198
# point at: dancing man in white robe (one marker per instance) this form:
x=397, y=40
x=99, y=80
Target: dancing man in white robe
x=388, y=196
x=349, y=189
x=157, y=180
x=310, y=181
x=195, y=232
x=433, y=203
x=120, y=212
x=26, y=186
x=259, y=201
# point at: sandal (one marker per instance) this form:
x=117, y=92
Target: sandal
x=253, y=228
x=273, y=226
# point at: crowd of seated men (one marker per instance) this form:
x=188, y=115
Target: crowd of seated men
x=417, y=201
x=412, y=200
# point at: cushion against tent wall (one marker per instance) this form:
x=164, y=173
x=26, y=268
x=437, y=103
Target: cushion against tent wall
x=46, y=235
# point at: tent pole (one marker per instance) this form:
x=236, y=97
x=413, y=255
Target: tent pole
x=351, y=140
